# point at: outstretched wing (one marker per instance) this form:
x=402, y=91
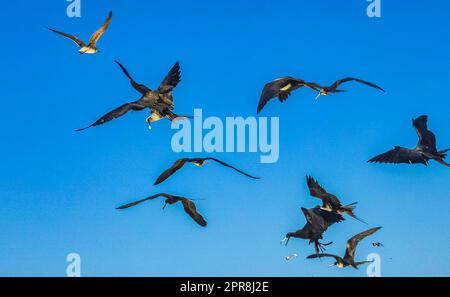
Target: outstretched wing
x=170, y=171
x=348, y=79
x=400, y=155
x=315, y=256
x=118, y=112
x=171, y=80
x=71, y=37
x=352, y=243
x=232, y=167
x=138, y=87
x=191, y=210
x=97, y=34
x=143, y=200
x=316, y=190
x=280, y=88
x=427, y=140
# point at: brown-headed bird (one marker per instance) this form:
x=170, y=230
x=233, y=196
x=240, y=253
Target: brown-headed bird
x=424, y=151
x=349, y=258
x=281, y=88
x=188, y=205
x=317, y=222
x=329, y=201
x=327, y=90
x=197, y=162
x=159, y=101
x=91, y=47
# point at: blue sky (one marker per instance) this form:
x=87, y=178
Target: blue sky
x=58, y=189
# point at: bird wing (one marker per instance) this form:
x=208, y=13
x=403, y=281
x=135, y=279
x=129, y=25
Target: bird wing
x=138, y=87
x=171, y=80
x=427, y=140
x=177, y=165
x=352, y=243
x=97, y=34
x=315, y=256
x=400, y=155
x=143, y=200
x=228, y=165
x=316, y=190
x=329, y=217
x=118, y=112
x=191, y=210
x=75, y=39
x=280, y=88
x=347, y=79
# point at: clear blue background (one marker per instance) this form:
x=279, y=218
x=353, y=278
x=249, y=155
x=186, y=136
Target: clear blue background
x=59, y=189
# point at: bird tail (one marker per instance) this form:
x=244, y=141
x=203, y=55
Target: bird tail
x=82, y=129
x=443, y=154
x=349, y=209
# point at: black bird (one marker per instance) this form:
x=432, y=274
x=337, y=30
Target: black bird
x=377, y=244
x=188, y=205
x=349, y=258
x=329, y=201
x=91, y=47
x=327, y=90
x=281, y=88
x=160, y=101
x=198, y=162
x=317, y=222
x=422, y=154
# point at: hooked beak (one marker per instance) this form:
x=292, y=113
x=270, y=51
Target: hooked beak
x=284, y=240
x=329, y=266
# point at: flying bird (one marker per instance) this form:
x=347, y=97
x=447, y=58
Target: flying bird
x=329, y=201
x=349, y=258
x=327, y=90
x=91, y=47
x=197, y=162
x=188, y=205
x=377, y=244
x=317, y=222
x=159, y=101
x=424, y=151
x=281, y=88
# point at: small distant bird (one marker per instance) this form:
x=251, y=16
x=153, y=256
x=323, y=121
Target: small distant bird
x=197, y=162
x=281, y=88
x=327, y=90
x=377, y=244
x=317, y=222
x=159, y=101
x=349, y=258
x=329, y=201
x=91, y=47
x=188, y=205
x=424, y=152
x=291, y=257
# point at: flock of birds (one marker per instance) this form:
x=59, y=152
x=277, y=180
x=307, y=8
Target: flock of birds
x=318, y=219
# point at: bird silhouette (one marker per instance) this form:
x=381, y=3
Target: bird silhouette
x=424, y=151
x=329, y=201
x=327, y=90
x=188, y=205
x=349, y=258
x=159, y=101
x=198, y=162
x=91, y=47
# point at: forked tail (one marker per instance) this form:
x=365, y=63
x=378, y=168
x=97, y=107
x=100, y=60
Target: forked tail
x=349, y=209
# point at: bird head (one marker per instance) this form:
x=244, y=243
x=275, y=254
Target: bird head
x=286, y=238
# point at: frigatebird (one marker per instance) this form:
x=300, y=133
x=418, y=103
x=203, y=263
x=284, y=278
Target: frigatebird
x=91, y=47
x=329, y=201
x=424, y=151
x=349, y=258
x=377, y=244
x=327, y=90
x=281, y=88
x=160, y=101
x=197, y=162
x=188, y=205
x=317, y=222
